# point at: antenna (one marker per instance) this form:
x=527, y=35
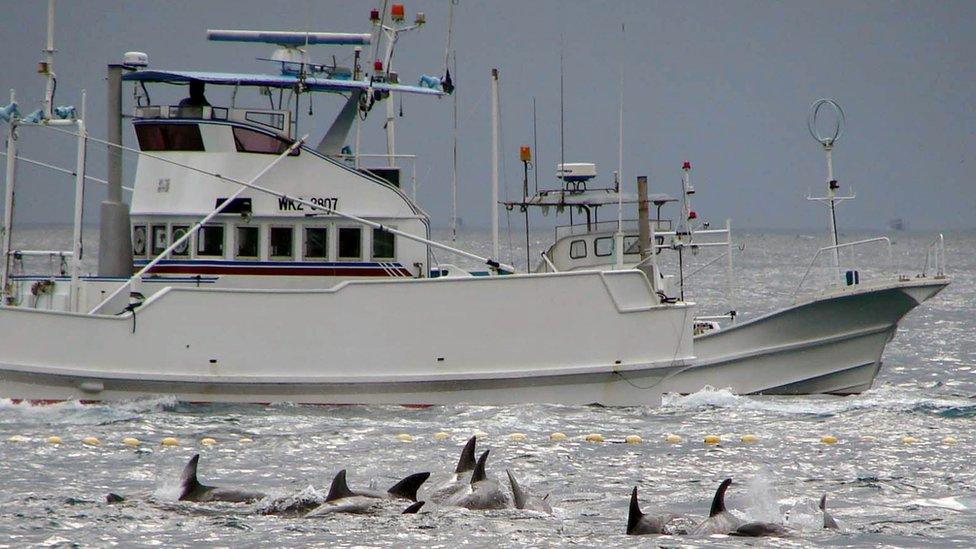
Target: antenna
x=562, y=133
x=619, y=237
x=827, y=141
x=46, y=67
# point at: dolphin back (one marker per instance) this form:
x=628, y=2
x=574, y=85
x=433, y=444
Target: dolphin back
x=467, y=462
x=339, y=488
x=189, y=484
x=407, y=488
x=828, y=520
x=413, y=509
x=718, y=502
x=635, y=515
x=517, y=493
x=479, y=468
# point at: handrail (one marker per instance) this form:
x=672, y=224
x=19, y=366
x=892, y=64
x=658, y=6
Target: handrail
x=548, y=262
x=939, y=244
x=837, y=247
x=40, y=253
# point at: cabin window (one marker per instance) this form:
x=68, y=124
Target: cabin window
x=139, y=240
x=603, y=246
x=316, y=243
x=248, y=241
x=384, y=245
x=250, y=141
x=183, y=249
x=280, y=242
x=577, y=249
x=631, y=245
x=160, y=239
x=350, y=243
x=169, y=137
x=210, y=241
x=275, y=120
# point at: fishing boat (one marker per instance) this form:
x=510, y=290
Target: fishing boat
x=252, y=266
x=830, y=339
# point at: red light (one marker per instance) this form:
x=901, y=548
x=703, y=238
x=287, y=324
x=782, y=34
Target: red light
x=378, y=66
x=374, y=15
x=396, y=12
x=692, y=215
x=686, y=165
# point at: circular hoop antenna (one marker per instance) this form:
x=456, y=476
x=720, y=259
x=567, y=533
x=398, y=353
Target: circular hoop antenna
x=828, y=139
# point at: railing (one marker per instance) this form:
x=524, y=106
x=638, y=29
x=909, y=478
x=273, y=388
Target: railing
x=629, y=225
x=60, y=255
x=935, y=257
x=846, y=245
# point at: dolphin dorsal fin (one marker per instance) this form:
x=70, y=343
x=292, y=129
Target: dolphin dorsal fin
x=413, y=509
x=517, y=493
x=479, y=468
x=339, y=488
x=635, y=514
x=466, y=462
x=407, y=488
x=823, y=502
x=188, y=479
x=718, y=503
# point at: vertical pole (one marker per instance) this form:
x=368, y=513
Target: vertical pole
x=49, y=63
x=8, y=207
x=643, y=219
x=494, y=163
x=731, y=271
x=76, y=249
x=525, y=198
x=390, y=118
x=831, y=193
x=454, y=159
x=618, y=239
x=114, y=242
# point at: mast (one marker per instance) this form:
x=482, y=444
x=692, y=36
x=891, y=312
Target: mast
x=454, y=138
x=114, y=243
x=494, y=163
x=48, y=64
x=827, y=142
x=619, y=237
x=8, y=203
x=76, y=246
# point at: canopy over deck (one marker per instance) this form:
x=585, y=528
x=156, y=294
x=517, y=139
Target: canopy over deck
x=273, y=81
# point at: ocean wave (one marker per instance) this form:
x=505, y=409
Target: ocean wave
x=885, y=398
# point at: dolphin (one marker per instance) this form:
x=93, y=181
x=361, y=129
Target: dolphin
x=462, y=474
x=113, y=498
x=483, y=492
x=758, y=529
x=719, y=520
x=526, y=501
x=828, y=520
x=342, y=499
x=639, y=524
x=192, y=490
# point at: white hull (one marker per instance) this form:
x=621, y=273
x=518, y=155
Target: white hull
x=832, y=344
x=431, y=341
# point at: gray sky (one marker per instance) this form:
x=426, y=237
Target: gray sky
x=725, y=85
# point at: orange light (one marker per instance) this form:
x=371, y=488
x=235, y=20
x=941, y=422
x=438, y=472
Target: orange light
x=396, y=12
x=525, y=153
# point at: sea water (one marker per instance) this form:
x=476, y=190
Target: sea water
x=883, y=488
